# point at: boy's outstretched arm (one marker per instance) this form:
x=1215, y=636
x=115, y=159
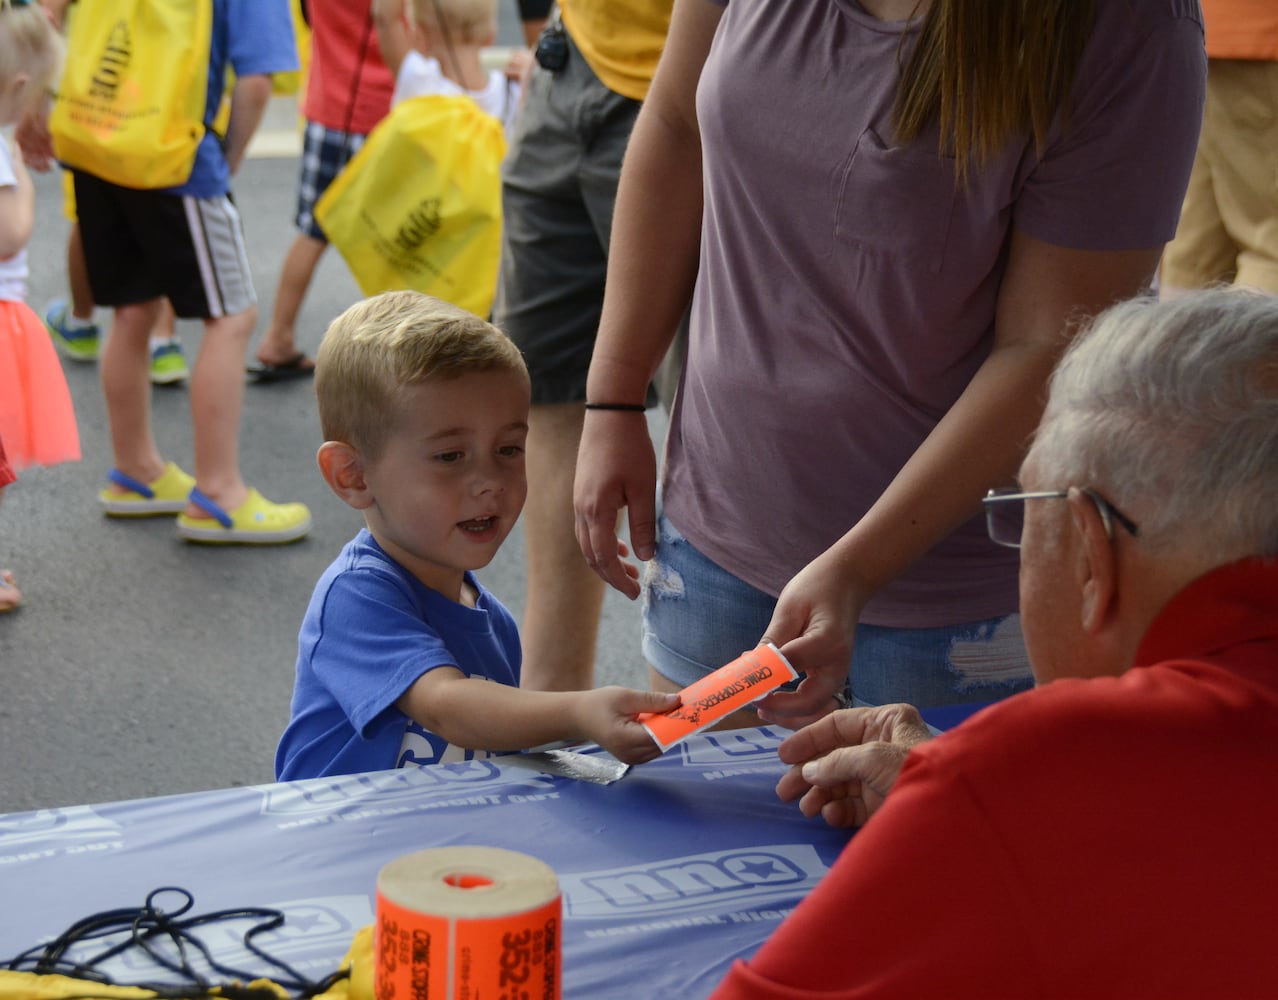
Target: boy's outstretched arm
x=484, y=715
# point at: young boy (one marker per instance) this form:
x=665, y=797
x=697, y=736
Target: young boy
x=348, y=91
x=403, y=656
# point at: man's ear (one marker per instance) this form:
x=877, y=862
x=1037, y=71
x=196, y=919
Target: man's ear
x=1098, y=564
x=343, y=470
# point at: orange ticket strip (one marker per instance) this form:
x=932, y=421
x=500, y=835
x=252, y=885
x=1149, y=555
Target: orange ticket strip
x=470, y=923
x=747, y=678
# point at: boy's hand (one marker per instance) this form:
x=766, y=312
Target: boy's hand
x=607, y=716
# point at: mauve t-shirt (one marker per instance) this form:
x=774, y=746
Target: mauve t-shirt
x=847, y=286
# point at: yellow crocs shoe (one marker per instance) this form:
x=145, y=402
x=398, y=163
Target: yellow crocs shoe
x=256, y=521
x=167, y=495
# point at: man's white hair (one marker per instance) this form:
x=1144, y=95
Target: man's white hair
x=1170, y=409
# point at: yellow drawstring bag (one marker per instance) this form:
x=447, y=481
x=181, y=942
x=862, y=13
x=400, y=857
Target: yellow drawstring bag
x=419, y=206
x=130, y=106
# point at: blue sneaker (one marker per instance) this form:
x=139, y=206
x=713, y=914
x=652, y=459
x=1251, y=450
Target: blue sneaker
x=80, y=342
x=168, y=363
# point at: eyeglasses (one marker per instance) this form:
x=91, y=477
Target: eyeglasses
x=1005, y=514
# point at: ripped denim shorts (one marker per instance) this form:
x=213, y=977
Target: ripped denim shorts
x=697, y=617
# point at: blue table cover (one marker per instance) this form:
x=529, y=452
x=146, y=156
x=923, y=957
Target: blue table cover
x=667, y=875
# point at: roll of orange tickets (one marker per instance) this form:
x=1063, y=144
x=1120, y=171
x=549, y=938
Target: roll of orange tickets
x=747, y=678
x=468, y=923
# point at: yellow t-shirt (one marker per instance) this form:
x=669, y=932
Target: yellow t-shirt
x=621, y=39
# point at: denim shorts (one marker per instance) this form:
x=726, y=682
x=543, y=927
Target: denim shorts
x=697, y=617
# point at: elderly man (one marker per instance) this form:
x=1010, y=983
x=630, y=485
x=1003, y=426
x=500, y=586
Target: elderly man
x=1113, y=831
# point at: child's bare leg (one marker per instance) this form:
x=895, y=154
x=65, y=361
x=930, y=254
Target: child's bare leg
x=217, y=395
x=165, y=322
x=10, y=596
x=279, y=342
x=82, y=304
x=124, y=368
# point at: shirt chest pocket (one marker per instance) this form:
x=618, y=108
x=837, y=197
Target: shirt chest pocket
x=896, y=202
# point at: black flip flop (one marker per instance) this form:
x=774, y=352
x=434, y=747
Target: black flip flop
x=299, y=366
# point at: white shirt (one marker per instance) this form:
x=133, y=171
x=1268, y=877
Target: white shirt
x=13, y=271
x=421, y=75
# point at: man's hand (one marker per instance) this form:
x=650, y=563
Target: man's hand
x=845, y=764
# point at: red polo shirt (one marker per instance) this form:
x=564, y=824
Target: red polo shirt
x=1113, y=837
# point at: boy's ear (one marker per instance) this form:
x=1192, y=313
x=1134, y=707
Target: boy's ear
x=343, y=470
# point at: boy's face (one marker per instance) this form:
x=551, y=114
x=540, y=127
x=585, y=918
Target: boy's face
x=450, y=482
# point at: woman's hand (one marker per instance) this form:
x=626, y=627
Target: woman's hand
x=616, y=469
x=813, y=626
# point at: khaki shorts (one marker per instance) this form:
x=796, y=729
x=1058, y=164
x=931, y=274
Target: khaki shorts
x=1228, y=228
x=559, y=183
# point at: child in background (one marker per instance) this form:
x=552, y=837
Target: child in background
x=70, y=320
x=348, y=91
x=404, y=658
x=37, y=421
x=439, y=51
x=186, y=244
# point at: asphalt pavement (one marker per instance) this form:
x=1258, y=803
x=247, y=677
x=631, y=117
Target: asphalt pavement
x=141, y=665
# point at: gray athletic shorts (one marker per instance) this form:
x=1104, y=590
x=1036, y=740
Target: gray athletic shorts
x=141, y=245
x=559, y=182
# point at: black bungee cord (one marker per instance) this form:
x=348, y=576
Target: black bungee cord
x=149, y=925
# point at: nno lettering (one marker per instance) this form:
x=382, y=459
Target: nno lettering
x=720, y=881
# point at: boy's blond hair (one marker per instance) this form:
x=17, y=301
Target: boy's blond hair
x=468, y=22
x=386, y=343
x=29, y=44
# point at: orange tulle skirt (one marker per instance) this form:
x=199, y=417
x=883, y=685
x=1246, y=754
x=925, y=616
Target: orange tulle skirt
x=37, y=420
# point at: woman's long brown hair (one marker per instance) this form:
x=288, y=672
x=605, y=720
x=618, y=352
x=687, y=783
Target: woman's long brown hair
x=987, y=71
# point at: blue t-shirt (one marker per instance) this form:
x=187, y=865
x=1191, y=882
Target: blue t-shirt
x=251, y=37
x=371, y=630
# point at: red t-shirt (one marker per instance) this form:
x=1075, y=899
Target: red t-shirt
x=1097, y=838
x=340, y=29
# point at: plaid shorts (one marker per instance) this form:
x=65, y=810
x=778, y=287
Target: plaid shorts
x=324, y=152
